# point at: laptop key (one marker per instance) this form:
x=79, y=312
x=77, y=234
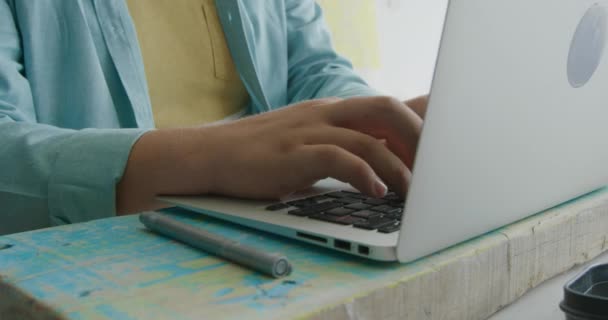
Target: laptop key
x=366, y=214
x=337, y=194
x=345, y=221
x=340, y=212
x=317, y=208
x=302, y=203
x=391, y=196
x=324, y=206
x=350, y=220
x=375, y=223
x=358, y=206
x=375, y=202
x=355, y=195
x=386, y=209
x=396, y=204
x=300, y=212
x=390, y=228
x=328, y=218
x=319, y=198
x=394, y=211
x=347, y=200
x=277, y=206
x=395, y=216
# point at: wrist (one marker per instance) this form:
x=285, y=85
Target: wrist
x=170, y=161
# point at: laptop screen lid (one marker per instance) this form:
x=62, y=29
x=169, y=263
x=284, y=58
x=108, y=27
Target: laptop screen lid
x=517, y=119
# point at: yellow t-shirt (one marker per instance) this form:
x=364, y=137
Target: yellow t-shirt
x=190, y=73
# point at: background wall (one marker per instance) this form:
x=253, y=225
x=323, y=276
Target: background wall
x=393, y=44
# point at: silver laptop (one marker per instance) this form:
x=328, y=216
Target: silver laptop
x=517, y=123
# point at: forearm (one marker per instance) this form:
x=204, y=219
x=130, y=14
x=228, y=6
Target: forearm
x=55, y=176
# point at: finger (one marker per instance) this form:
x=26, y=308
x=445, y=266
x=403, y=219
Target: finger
x=273, y=114
x=383, y=118
x=419, y=105
x=324, y=161
x=382, y=160
x=315, y=102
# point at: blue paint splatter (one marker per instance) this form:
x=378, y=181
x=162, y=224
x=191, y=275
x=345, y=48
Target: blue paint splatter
x=213, y=266
x=75, y=316
x=265, y=297
x=176, y=271
x=85, y=293
x=224, y=292
x=280, y=291
x=254, y=280
x=72, y=282
x=112, y=313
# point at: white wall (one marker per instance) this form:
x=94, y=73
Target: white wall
x=409, y=32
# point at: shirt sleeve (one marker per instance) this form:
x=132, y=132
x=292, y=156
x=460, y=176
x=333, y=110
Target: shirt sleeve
x=50, y=175
x=315, y=69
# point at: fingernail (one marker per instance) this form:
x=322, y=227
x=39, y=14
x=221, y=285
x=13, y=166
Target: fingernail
x=380, y=188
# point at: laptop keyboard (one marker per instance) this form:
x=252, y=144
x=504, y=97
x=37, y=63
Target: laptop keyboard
x=348, y=208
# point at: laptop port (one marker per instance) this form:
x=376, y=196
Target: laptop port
x=341, y=244
x=311, y=237
x=364, y=250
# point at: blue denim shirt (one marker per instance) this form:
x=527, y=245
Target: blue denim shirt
x=74, y=99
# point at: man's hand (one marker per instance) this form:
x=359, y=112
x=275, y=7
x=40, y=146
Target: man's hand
x=367, y=142
x=419, y=105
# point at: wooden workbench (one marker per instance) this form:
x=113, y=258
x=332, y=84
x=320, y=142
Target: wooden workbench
x=113, y=268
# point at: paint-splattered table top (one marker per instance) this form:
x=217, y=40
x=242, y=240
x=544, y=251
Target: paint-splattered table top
x=114, y=268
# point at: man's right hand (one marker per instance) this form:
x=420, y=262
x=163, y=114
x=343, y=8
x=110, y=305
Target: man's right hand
x=367, y=142
x=419, y=105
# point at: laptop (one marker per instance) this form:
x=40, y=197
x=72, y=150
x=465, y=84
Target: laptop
x=517, y=123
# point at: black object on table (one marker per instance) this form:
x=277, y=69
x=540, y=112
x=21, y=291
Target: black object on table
x=586, y=296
